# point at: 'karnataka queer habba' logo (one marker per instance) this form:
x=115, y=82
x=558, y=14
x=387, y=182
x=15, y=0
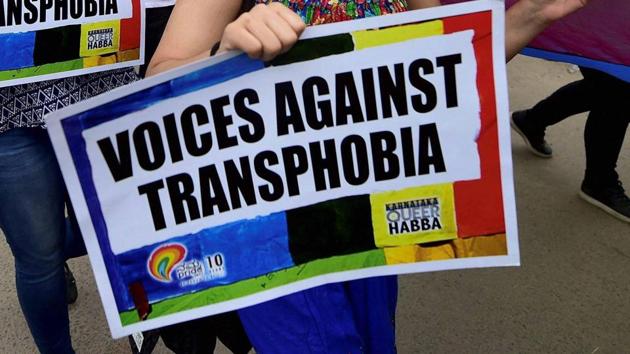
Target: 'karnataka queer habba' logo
x=164, y=259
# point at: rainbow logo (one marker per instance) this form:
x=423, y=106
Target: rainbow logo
x=164, y=259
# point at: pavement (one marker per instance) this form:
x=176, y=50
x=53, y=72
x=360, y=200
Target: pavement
x=569, y=295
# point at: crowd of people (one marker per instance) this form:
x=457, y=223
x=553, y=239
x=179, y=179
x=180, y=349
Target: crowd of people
x=350, y=317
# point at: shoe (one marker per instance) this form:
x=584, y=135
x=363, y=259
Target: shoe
x=611, y=199
x=71, y=285
x=534, y=137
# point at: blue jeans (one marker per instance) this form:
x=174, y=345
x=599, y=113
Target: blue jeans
x=32, y=205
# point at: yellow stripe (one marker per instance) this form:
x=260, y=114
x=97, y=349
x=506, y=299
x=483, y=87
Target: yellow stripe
x=375, y=38
x=480, y=246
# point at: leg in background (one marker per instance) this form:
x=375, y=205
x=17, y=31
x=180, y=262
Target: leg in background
x=73, y=246
x=571, y=99
x=33, y=221
x=604, y=134
x=576, y=97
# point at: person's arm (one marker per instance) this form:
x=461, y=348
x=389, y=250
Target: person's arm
x=524, y=20
x=422, y=4
x=196, y=25
x=527, y=18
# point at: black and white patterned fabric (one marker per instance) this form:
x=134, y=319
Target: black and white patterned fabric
x=26, y=105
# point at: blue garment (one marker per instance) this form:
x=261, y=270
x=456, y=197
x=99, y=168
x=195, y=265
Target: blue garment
x=32, y=197
x=345, y=318
x=373, y=302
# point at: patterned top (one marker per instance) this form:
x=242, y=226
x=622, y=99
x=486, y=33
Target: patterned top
x=316, y=12
x=25, y=105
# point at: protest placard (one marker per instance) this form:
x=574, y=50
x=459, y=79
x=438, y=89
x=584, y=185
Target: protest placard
x=53, y=39
x=373, y=147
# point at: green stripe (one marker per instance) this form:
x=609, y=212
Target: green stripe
x=220, y=294
x=41, y=70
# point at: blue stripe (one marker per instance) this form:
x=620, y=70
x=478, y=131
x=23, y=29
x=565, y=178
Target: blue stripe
x=620, y=71
x=234, y=241
x=16, y=50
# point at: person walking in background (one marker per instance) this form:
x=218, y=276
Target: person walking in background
x=608, y=101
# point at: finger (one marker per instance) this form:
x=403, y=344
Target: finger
x=238, y=37
x=283, y=31
x=271, y=45
x=293, y=19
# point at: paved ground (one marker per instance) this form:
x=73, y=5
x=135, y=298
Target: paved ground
x=570, y=295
